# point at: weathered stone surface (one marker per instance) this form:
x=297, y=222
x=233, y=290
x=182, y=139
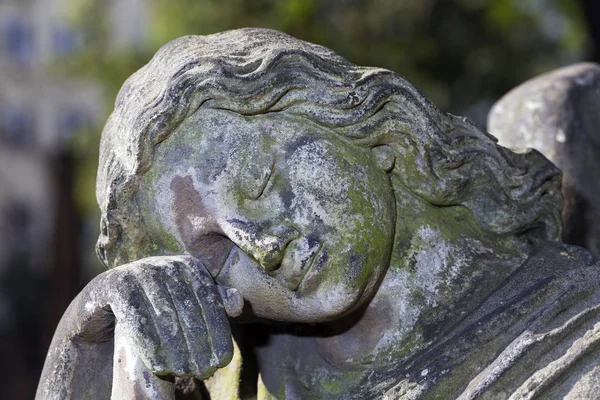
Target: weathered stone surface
x=559, y=114
x=383, y=248
x=170, y=317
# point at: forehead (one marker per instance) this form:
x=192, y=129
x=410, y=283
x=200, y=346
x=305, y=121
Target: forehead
x=223, y=146
x=220, y=136
x=230, y=128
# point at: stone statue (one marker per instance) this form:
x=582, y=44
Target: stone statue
x=357, y=241
x=558, y=114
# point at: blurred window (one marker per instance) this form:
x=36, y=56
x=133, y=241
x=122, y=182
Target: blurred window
x=16, y=128
x=18, y=39
x=72, y=121
x=17, y=227
x=67, y=40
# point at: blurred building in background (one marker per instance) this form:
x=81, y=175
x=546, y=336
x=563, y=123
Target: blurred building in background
x=42, y=234
x=38, y=114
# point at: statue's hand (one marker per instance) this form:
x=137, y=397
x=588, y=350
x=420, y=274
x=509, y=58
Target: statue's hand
x=172, y=311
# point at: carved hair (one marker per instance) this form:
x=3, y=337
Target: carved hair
x=441, y=158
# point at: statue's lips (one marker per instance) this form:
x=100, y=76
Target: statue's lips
x=298, y=260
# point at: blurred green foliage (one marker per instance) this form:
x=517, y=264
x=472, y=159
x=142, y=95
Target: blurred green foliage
x=464, y=54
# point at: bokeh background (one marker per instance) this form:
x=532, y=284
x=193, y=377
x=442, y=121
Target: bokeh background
x=63, y=61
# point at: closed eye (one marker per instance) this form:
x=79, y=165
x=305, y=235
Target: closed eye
x=266, y=177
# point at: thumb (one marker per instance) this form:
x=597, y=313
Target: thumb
x=232, y=300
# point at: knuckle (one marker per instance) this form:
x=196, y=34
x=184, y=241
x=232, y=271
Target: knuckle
x=224, y=359
x=172, y=267
x=182, y=370
x=205, y=372
x=223, y=353
x=153, y=270
x=157, y=367
x=156, y=363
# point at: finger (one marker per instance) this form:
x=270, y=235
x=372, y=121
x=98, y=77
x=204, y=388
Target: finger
x=232, y=300
x=173, y=349
x=191, y=321
x=136, y=317
x=217, y=323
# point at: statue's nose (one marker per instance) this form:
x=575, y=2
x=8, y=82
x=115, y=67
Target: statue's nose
x=265, y=245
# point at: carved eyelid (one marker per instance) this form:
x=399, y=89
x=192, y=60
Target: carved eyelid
x=267, y=177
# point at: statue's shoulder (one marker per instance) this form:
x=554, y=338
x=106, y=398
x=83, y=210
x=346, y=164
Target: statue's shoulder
x=536, y=336
x=552, y=348
x=565, y=268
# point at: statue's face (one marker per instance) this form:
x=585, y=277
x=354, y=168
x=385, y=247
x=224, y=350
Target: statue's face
x=297, y=219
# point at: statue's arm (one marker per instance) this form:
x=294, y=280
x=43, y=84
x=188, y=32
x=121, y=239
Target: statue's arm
x=170, y=319
x=72, y=360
